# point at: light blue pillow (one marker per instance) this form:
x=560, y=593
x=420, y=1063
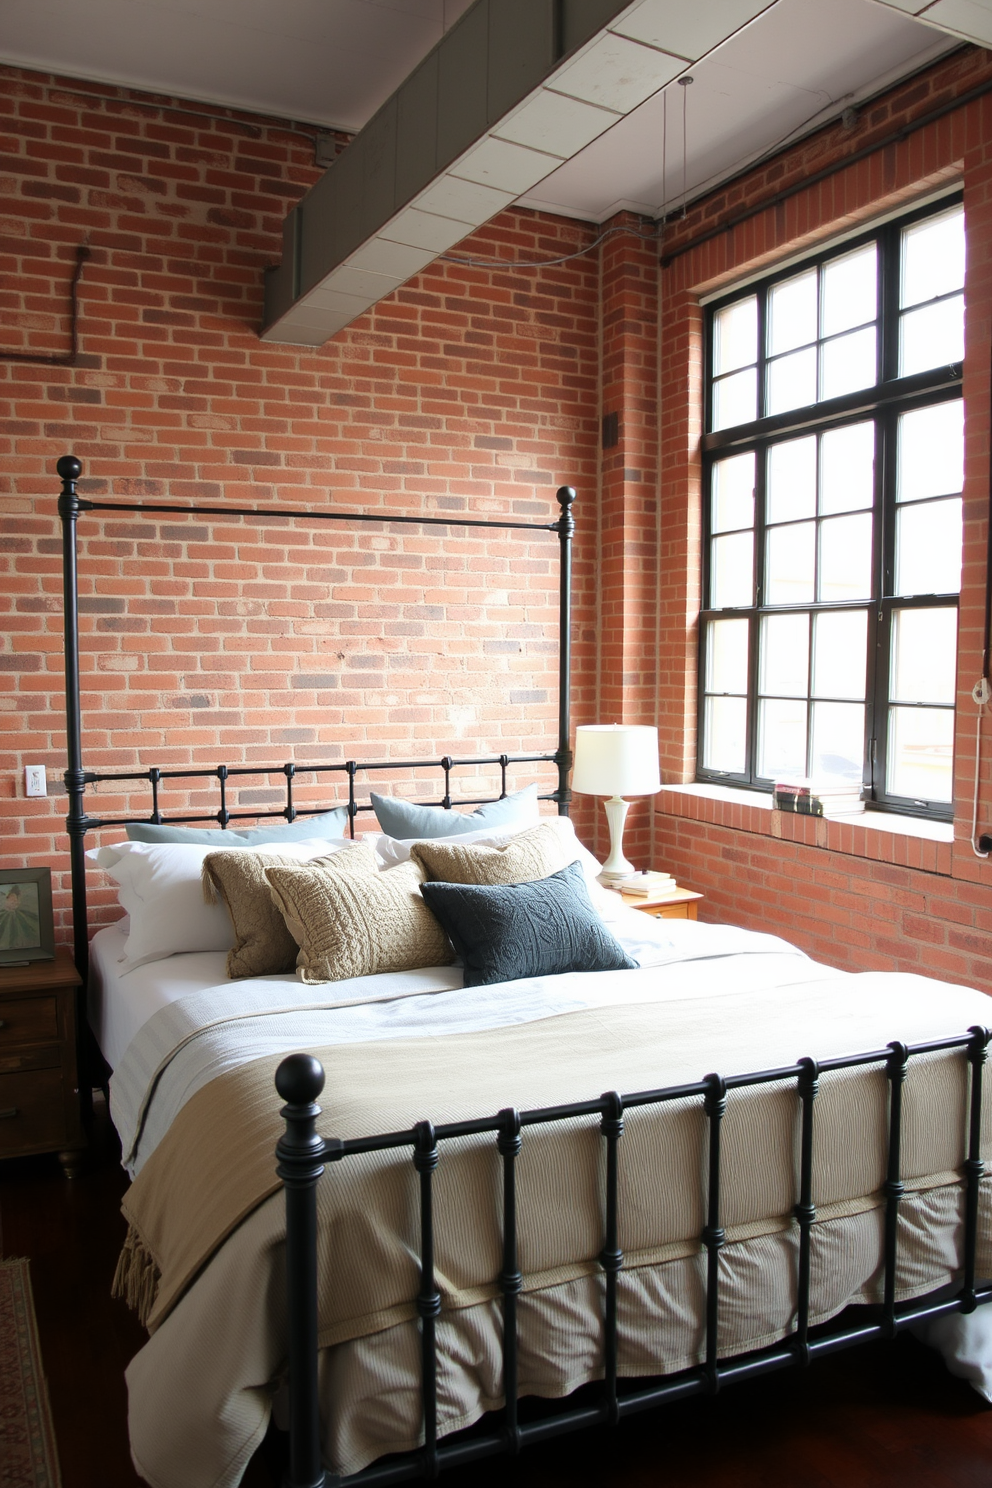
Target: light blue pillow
x=406, y=820
x=328, y=824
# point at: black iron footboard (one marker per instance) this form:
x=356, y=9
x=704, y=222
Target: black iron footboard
x=302, y=1153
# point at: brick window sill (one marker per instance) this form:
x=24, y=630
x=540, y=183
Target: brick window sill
x=906, y=841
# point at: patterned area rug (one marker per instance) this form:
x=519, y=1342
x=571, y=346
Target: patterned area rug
x=27, y=1441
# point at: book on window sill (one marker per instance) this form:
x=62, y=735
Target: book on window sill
x=804, y=798
x=648, y=883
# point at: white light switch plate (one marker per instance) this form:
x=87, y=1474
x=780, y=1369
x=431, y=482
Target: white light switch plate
x=35, y=780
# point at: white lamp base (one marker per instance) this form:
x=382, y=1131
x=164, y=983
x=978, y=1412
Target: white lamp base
x=616, y=866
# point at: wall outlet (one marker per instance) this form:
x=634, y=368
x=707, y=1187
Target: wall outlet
x=35, y=780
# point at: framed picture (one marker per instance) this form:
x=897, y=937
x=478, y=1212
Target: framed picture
x=27, y=931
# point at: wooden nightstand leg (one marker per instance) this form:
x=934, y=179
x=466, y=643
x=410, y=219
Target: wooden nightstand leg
x=73, y=1160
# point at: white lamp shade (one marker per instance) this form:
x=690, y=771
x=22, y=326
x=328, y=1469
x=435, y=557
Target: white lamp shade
x=616, y=759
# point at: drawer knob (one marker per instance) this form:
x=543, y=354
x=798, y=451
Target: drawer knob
x=9, y=1113
x=3, y=1023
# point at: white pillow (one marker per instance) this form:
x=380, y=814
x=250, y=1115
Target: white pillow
x=159, y=885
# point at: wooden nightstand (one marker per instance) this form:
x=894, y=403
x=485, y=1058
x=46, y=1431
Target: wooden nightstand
x=680, y=904
x=39, y=1098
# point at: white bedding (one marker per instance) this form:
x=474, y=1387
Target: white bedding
x=199, y=1389
x=186, y=1004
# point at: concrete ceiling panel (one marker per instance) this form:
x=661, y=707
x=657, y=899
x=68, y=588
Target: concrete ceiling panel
x=352, y=281
x=466, y=201
x=416, y=229
x=394, y=259
x=505, y=166
x=553, y=122
x=616, y=73
x=687, y=30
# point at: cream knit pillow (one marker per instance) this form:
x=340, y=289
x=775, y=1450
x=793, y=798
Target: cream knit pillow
x=236, y=877
x=528, y=856
x=350, y=919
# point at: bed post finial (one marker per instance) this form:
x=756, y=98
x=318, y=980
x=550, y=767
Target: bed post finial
x=565, y=527
x=70, y=469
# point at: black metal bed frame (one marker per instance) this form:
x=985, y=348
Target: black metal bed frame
x=302, y=1153
x=71, y=507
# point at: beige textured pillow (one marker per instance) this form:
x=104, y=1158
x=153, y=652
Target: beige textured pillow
x=351, y=920
x=262, y=944
x=524, y=858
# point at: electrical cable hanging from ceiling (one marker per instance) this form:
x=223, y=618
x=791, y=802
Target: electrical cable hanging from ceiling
x=684, y=83
x=541, y=263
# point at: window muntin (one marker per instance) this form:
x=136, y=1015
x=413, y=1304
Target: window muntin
x=931, y=292
x=834, y=546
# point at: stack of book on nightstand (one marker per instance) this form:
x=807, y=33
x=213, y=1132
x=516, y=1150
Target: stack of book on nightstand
x=649, y=884
x=806, y=798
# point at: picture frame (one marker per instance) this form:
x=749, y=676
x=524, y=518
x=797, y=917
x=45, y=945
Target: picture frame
x=27, y=927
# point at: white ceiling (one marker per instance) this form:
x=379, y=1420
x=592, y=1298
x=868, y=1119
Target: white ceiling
x=328, y=62
x=334, y=62
x=798, y=63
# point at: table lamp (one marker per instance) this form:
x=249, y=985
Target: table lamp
x=616, y=760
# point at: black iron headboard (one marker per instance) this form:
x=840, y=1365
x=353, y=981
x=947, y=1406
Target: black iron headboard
x=77, y=778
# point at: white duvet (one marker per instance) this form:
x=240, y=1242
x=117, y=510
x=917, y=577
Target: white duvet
x=201, y=1389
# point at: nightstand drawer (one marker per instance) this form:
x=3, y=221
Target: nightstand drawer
x=11, y=1062
x=32, y=1112
x=31, y=1020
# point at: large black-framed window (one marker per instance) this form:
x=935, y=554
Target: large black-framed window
x=833, y=465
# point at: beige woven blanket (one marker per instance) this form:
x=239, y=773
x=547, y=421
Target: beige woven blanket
x=217, y=1163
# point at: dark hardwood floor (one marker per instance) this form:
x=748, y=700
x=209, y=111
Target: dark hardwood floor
x=875, y=1417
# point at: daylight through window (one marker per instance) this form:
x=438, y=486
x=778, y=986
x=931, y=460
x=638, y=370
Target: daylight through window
x=833, y=466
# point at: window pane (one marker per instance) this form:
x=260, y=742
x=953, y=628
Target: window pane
x=933, y=257
x=791, y=480
x=725, y=727
x=789, y=564
x=921, y=744
x=781, y=738
x=735, y=399
x=850, y=297
x=924, y=644
x=930, y=451
x=784, y=657
x=735, y=336
x=932, y=337
x=792, y=381
x=928, y=548
x=733, y=493
x=840, y=652
x=848, y=363
x=838, y=742
x=847, y=469
x=726, y=656
x=732, y=570
x=845, y=558
x=792, y=313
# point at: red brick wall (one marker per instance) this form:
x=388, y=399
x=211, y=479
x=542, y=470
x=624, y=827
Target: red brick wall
x=850, y=895
x=471, y=391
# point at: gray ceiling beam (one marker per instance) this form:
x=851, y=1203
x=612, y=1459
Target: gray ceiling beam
x=513, y=90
